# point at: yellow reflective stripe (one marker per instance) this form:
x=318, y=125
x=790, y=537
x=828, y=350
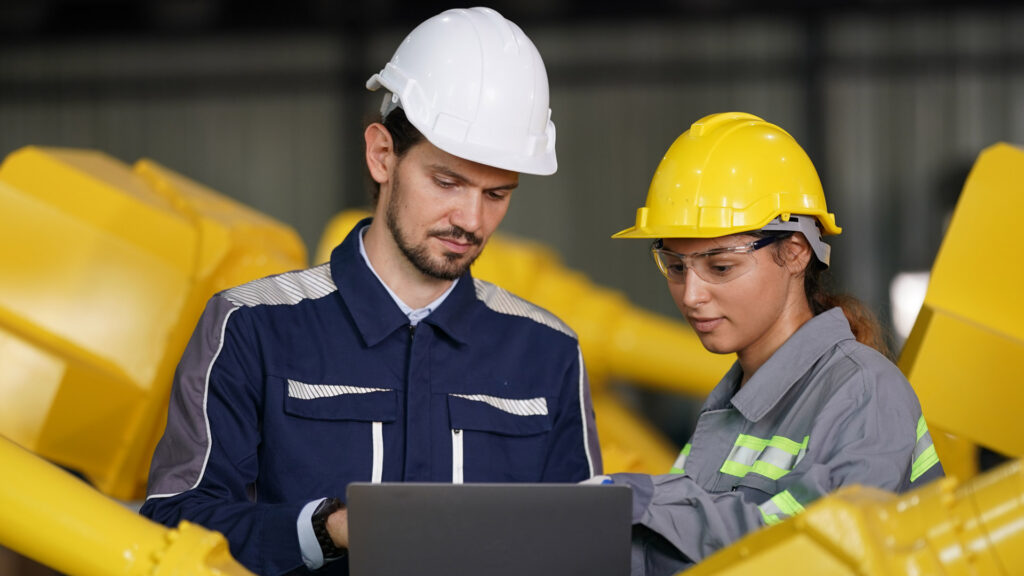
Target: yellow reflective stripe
x=785, y=501
x=924, y=462
x=752, y=442
x=679, y=466
x=770, y=519
x=768, y=470
x=753, y=454
x=924, y=451
x=779, y=507
x=788, y=445
x=734, y=469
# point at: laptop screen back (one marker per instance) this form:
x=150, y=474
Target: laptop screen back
x=488, y=529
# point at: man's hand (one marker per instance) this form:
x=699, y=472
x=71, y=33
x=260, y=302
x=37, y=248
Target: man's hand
x=337, y=527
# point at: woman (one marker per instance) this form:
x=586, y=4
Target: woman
x=737, y=212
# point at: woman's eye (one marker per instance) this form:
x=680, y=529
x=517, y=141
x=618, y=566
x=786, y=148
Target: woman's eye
x=720, y=266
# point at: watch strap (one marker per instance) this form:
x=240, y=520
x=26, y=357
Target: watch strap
x=323, y=537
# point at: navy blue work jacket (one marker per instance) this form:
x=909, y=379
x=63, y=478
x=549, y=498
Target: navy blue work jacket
x=295, y=385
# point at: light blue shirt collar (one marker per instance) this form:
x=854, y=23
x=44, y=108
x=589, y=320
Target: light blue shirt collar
x=414, y=315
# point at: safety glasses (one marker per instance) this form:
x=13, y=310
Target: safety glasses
x=716, y=266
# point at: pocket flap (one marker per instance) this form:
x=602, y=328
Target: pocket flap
x=333, y=402
x=507, y=416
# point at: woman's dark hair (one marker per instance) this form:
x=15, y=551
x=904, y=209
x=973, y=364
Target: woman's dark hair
x=817, y=287
x=403, y=135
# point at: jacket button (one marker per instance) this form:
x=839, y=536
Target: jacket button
x=457, y=431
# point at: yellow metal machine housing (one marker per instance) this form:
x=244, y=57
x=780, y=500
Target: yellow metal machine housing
x=50, y=515
x=106, y=270
x=965, y=354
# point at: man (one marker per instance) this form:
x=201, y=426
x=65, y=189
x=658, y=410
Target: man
x=390, y=362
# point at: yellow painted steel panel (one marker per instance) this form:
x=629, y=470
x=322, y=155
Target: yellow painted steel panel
x=942, y=528
x=965, y=355
x=56, y=519
x=106, y=270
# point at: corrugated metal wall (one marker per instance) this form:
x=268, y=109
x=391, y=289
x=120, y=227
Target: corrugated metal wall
x=893, y=108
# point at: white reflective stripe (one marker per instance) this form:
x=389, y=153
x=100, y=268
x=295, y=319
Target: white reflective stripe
x=526, y=407
x=456, y=456
x=305, y=391
x=505, y=302
x=583, y=409
x=286, y=288
x=378, y=452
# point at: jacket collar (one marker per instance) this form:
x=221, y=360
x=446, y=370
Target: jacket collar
x=783, y=369
x=375, y=313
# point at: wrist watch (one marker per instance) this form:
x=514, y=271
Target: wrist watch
x=327, y=546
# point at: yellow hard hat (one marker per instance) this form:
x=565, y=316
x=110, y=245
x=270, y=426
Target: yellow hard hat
x=730, y=172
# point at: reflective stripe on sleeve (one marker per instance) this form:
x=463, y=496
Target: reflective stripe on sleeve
x=679, y=466
x=924, y=451
x=779, y=507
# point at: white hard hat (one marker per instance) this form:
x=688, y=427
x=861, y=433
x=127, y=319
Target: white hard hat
x=475, y=86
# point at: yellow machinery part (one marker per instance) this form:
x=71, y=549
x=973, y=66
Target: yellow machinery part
x=965, y=354
x=106, y=270
x=618, y=340
x=58, y=520
x=939, y=529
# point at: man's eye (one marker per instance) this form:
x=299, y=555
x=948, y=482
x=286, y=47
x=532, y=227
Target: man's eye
x=497, y=194
x=444, y=183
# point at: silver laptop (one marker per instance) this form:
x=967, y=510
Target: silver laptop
x=488, y=529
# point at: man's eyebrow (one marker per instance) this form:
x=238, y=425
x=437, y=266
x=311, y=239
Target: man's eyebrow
x=457, y=176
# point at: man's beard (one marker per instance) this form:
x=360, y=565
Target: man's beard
x=450, y=267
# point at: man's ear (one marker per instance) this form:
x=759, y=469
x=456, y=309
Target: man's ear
x=380, y=152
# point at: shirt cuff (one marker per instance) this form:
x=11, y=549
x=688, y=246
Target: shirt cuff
x=312, y=556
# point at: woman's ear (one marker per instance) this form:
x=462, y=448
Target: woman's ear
x=797, y=253
x=380, y=152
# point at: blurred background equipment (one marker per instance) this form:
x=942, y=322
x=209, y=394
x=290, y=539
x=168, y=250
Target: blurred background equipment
x=106, y=268
x=942, y=528
x=55, y=518
x=965, y=354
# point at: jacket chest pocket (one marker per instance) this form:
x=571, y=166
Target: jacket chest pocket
x=345, y=422
x=497, y=439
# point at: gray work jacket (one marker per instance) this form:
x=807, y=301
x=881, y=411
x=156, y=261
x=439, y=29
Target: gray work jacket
x=823, y=412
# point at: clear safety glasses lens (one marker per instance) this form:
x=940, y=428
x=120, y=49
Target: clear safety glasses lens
x=716, y=266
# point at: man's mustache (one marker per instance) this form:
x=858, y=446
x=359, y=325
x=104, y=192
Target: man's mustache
x=457, y=233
